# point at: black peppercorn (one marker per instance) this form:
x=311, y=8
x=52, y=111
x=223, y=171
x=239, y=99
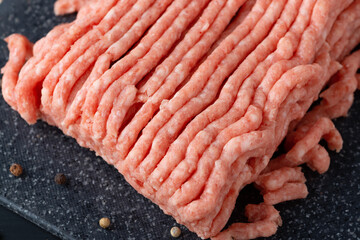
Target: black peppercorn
x=60, y=179
x=16, y=169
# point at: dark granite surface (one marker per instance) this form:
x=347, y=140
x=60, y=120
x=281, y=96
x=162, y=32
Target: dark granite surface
x=15, y=227
x=95, y=189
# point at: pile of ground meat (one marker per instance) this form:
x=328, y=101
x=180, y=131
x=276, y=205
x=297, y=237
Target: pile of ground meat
x=189, y=99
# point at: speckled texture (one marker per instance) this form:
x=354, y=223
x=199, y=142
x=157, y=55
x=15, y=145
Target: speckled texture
x=95, y=189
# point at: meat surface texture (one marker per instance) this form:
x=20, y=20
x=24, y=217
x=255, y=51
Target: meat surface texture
x=190, y=99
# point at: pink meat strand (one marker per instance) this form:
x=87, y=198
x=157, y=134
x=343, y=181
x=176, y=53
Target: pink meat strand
x=89, y=57
x=192, y=56
x=33, y=74
x=95, y=92
x=222, y=138
x=20, y=50
x=128, y=136
x=144, y=65
x=102, y=64
x=215, y=107
x=198, y=79
x=62, y=7
x=73, y=64
x=264, y=221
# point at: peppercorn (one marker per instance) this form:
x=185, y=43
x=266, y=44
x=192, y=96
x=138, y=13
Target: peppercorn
x=60, y=179
x=175, y=232
x=16, y=169
x=104, y=222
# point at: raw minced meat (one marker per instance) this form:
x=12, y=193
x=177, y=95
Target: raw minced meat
x=189, y=100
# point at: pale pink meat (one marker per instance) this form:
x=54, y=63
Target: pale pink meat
x=82, y=54
x=20, y=50
x=300, y=99
x=190, y=90
x=194, y=34
x=329, y=108
x=346, y=84
x=213, y=152
x=31, y=75
x=280, y=124
x=102, y=64
x=318, y=159
x=323, y=128
x=237, y=20
x=159, y=50
x=344, y=19
x=296, y=77
x=81, y=81
x=342, y=47
x=99, y=86
x=226, y=47
x=264, y=221
x=179, y=74
x=281, y=185
x=189, y=100
x=70, y=6
x=290, y=191
x=118, y=113
x=164, y=167
x=353, y=42
x=191, y=38
x=338, y=8
x=169, y=131
x=114, y=25
x=42, y=46
x=277, y=179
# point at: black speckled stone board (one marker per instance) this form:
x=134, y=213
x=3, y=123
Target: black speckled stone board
x=95, y=189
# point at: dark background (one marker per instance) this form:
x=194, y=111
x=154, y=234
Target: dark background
x=95, y=189
x=12, y=226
